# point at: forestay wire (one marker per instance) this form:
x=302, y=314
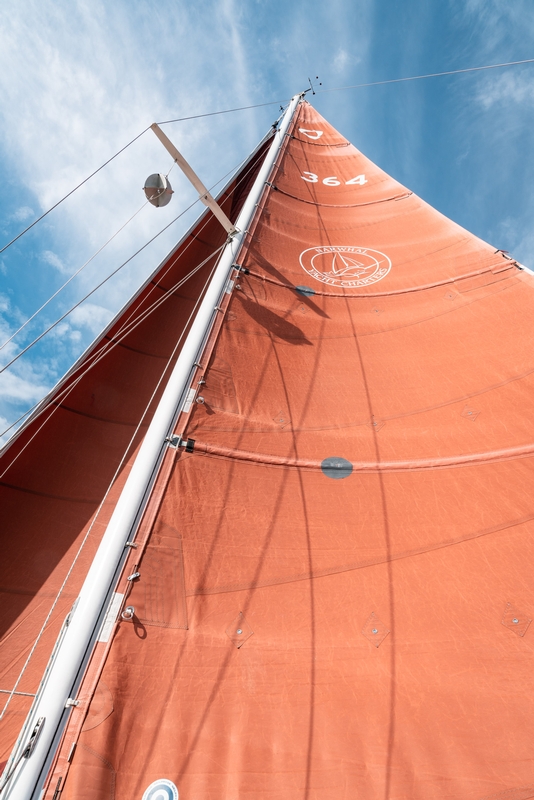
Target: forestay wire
x=262, y=105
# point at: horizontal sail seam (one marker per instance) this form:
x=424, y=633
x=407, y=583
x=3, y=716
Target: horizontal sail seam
x=133, y=349
x=417, y=464
x=97, y=419
x=506, y=283
x=90, y=500
x=320, y=144
x=346, y=205
x=495, y=269
x=363, y=564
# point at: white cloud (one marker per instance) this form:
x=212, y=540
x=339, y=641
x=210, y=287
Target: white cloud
x=91, y=316
x=4, y=422
x=506, y=89
x=54, y=260
x=343, y=60
x=22, y=214
x=15, y=387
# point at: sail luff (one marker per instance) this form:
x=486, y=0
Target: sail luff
x=56, y=688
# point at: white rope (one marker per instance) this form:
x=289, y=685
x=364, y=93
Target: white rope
x=105, y=350
x=110, y=486
x=171, y=265
x=72, y=277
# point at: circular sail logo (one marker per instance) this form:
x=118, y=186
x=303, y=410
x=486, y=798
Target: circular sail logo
x=162, y=789
x=345, y=266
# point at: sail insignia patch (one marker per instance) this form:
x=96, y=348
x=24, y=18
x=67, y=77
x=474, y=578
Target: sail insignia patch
x=345, y=265
x=162, y=789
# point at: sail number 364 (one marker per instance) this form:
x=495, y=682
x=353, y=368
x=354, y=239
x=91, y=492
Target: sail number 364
x=311, y=177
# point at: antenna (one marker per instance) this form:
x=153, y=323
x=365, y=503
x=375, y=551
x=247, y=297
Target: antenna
x=312, y=89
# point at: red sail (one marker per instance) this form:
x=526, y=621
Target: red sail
x=56, y=472
x=335, y=576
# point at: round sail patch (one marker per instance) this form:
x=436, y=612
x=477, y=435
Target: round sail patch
x=162, y=789
x=344, y=265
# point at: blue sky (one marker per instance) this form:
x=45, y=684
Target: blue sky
x=80, y=78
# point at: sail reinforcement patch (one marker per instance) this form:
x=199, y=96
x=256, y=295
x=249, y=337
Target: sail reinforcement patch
x=336, y=467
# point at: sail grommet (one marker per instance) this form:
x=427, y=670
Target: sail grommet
x=200, y=400
x=128, y=613
x=239, y=630
x=374, y=630
x=515, y=620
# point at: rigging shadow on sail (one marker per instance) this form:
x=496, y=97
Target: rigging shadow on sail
x=274, y=323
x=358, y=597
x=305, y=293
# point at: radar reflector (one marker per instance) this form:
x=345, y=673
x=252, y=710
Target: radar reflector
x=158, y=190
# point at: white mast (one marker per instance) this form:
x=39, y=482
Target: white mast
x=50, y=703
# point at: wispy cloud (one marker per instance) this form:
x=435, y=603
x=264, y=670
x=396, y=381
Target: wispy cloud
x=54, y=260
x=22, y=214
x=506, y=89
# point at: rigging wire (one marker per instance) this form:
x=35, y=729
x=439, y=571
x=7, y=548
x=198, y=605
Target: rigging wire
x=17, y=237
x=259, y=105
x=57, y=399
x=128, y=327
x=37, y=339
x=98, y=286
x=430, y=75
x=226, y=111
x=72, y=277
x=180, y=119
x=117, y=471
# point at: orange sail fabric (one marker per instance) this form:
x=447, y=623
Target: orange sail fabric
x=335, y=595
x=56, y=471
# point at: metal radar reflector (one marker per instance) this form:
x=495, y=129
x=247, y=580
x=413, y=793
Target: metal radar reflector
x=158, y=190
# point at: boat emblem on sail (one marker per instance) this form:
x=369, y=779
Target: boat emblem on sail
x=345, y=265
x=311, y=134
x=162, y=789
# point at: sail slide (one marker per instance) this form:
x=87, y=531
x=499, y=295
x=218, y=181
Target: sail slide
x=330, y=591
x=62, y=473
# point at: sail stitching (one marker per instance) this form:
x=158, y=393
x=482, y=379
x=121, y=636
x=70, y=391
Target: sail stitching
x=320, y=144
x=356, y=565
x=494, y=269
x=347, y=205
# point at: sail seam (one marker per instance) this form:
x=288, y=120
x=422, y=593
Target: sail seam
x=347, y=205
x=49, y=496
x=355, y=565
x=265, y=459
x=321, y=144
x=494, y=269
